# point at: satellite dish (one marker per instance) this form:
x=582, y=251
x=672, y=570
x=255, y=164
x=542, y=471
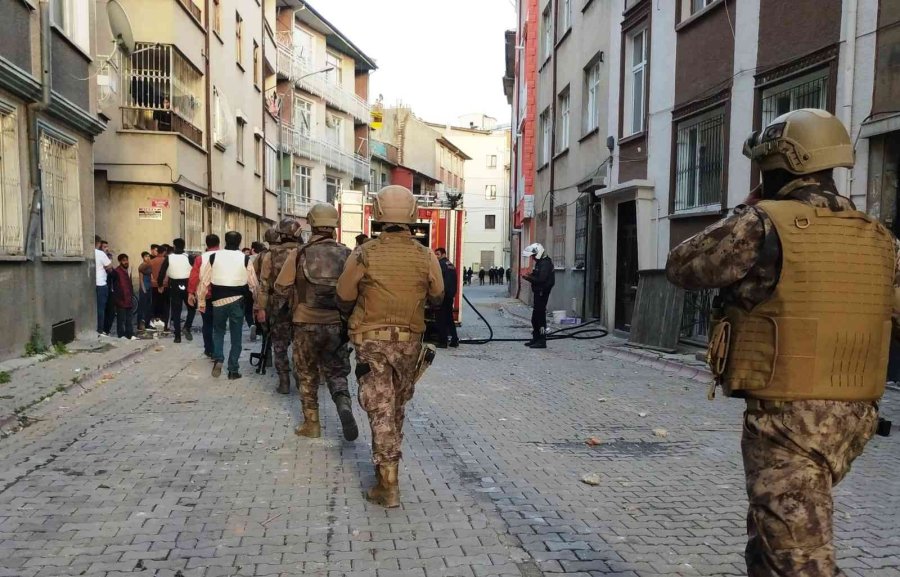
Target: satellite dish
x=120, y=27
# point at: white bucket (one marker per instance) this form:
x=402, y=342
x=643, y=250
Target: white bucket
x=558, y=316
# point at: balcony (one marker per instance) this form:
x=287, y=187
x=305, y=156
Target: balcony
x=294, y=205
x=299, y=71
x=162, y=92
x=295, y=142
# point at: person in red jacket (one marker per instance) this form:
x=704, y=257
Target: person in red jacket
x=212, y=245
x=122, y=298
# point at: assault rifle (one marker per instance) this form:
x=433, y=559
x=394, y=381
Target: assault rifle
x=264, y=357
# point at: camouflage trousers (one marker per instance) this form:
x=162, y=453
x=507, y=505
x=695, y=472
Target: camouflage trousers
x=318, y=353
x=385, y=371
x=792, y=459
x=280, y=328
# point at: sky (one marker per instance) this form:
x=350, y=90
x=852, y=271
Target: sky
x=442, y=58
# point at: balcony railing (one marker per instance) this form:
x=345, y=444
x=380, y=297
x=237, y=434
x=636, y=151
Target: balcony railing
x=293, y=204
x=300, y=71
x=162, y=92
x=295, y=142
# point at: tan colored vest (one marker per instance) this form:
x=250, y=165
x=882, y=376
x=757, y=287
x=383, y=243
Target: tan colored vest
x=393, y=290
x=321, y=263
x=825, y=332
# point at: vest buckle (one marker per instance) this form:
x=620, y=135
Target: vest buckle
x=801, y=222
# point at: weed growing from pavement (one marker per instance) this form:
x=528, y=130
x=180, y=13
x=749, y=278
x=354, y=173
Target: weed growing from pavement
x=4, y=377
x=35, y=344
x=60, y=348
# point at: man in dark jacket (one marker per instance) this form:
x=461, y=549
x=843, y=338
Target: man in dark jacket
x=122, y=298
x=445, y=323
x=481, y=274
x=542, y=278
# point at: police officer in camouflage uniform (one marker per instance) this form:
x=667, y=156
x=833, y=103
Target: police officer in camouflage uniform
x=807, y=287
x=385, y=285
x=308, y=278
x=277, y=313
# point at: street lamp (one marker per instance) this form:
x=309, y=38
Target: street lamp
x=278, y=103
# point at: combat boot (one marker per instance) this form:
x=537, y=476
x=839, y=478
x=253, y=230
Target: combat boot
x=311, y=427
x=386, y=491
x=345, y=412
x=284, y=383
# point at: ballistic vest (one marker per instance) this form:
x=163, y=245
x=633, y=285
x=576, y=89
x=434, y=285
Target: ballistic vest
x=276, y=255
x=321, y=262
x=825, y=332
x=229, y=268
x=179, y=267
x=393, y=291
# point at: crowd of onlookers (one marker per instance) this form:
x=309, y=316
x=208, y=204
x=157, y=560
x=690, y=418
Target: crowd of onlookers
x=494, y=275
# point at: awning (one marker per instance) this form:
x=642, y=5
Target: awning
x=880, y=124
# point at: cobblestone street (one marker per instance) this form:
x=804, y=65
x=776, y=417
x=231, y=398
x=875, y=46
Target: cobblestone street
x=162, y=470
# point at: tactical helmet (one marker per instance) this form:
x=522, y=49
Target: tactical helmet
x=289, y=228
x=801, y=142
x=536, y=250
x=272, y=236
x=322, y=215
x=394, y=205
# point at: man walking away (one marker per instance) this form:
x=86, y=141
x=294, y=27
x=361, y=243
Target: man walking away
x=103, y=266
x=122, y=299
x=257, y=249
x=386, y=284
x=446, y=326
x=481, y=276
x=277, y=314
x=206, y=313
x=309, y=275
x=228, y=276
x=500, y=273
x=542, y=278
x=144, y=291
x=174, y=275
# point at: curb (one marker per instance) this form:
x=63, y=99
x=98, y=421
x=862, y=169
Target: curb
x=645, y=359
x=87, y=377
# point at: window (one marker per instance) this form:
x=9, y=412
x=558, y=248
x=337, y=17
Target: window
x=700, y=161
x=303, y=116
x=565, y=16
x=808, y=91
x=490, y=222
x=332, y=188
x=581, y=224
x=698, y=5
x=61, y=209
x=490, y=191
x=384, y=179
x=635, y=83
x=239, y=140
x=592, y=97
x=257, y=154
x=11, y=237
x=71, y=17
x=544, y=156
x=192, y=223
x=336, y=75
x=303, y=184
x=547, y=27
x=255, y=64
x=239, y=39
x=220, y=124
x=271, y=168
x=303, y=43
x=217, y=17
x=564, y=115
x=492, y=161
x=335, y=134
x=559, y=236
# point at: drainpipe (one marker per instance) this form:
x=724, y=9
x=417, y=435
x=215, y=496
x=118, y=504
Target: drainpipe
x=209, y=104
x=33, y=238
x=553, y=18
x=262, y=81
x=849, y=73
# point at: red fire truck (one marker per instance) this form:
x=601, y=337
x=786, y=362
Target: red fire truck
x=438, y=226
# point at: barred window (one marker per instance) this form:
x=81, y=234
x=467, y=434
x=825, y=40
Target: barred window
x=61, y=208
x=559, y=236
x=809, y=91
x=700, y=162
x=581, y=225
x=11, y=227
x=192, y=223
x=271, y=168
x=217, y=215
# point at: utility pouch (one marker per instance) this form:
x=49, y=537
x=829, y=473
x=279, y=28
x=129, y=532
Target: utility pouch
x=426, y=357
x=718, y=348
x=362, y=369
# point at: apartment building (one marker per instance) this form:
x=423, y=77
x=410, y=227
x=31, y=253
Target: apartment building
x=678, y=165
x=571, y=156
x=486, y=240
x=180, y=158
x=386, y=170
x=432, y=166
x=48, y=122
x=322, y=105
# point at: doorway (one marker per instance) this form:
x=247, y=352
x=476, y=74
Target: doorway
x=626, y=264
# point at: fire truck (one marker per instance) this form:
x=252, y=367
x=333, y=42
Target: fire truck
x=439, y=225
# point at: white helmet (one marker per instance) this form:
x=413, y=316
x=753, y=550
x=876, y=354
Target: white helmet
x=536, y=250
